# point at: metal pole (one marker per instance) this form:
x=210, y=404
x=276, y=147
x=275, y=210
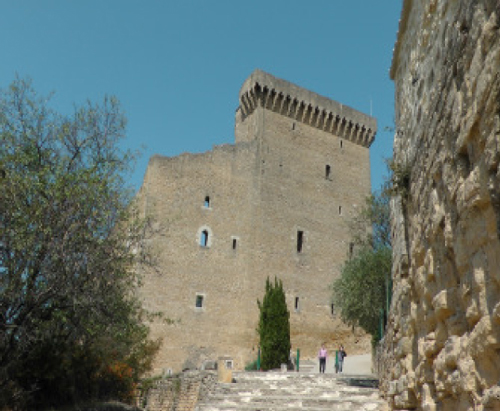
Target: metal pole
x=258, y=359
x=381, y=323
x=298, y=359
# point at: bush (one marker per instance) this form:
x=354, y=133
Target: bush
x=274, y=326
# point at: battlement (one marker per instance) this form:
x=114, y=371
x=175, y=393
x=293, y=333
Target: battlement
x=264, y=90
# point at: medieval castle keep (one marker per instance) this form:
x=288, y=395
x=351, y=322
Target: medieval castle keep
x=275, y=203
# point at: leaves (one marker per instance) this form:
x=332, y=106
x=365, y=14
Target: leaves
x=360, y=292
x=362, y=288
x=65, y=268
x=274, y=326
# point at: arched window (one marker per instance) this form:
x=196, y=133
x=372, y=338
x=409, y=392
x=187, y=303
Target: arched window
x=328, y=169
x=207, y=202
x=204, y=238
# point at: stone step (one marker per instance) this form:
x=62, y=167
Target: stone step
x=293, y=391
x=303, y=399
x=275, y=391
x=290, y=407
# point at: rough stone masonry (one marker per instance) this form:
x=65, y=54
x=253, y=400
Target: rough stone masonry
x=442, y=346
x=275, y=203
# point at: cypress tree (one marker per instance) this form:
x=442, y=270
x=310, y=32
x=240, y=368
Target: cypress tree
x=274, y=326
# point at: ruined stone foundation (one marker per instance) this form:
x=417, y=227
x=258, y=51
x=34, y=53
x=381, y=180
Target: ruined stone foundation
x=442, y=346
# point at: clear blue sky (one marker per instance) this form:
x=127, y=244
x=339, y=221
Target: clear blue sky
x=177, y=65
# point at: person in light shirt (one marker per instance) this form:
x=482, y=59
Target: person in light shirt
x=322, y=355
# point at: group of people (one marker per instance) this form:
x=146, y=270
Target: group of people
x=323, y=355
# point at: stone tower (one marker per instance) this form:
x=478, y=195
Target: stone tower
x=275, y=203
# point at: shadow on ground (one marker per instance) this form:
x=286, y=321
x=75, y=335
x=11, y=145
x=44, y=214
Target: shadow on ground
x=360, y=382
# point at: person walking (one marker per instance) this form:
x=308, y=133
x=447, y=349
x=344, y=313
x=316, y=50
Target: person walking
x=322, y=354
x=342, y=355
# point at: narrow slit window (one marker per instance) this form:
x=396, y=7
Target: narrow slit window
x=351, y=249
x=207, y=202
x=235, y=243
x=199, y=301
x=328, y=169
x=340, y=210
x=341, y=143
x=332, y=309
x=300, y=241
x=293, y=125
x=204, y=238
x=297, y=304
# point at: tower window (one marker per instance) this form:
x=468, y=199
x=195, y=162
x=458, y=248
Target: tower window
x=234, y=243
x=204, y=238
x=199, y=301
x=297, y=304
x=328, y=169
x=332, y=309
x=340, y=210
x=341, y=143
x=351, y=249
x=300, y=241
x=207, y=202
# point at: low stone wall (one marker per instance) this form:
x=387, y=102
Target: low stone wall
x=180, y=392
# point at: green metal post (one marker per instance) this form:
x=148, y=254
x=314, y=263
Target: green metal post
x=298, y=359
x=258, y=360
x=336, y=361
x=381, y=323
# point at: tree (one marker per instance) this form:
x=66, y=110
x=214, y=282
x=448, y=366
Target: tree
x=68, y=315
x=363, y=288
x=274, y=326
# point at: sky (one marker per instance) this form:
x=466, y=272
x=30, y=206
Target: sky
x=177, y=65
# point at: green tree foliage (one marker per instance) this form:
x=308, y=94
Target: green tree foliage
x=70, y=326
x=274, y=326
x=361, y=291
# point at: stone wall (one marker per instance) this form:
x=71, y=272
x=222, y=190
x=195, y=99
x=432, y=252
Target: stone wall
x=442, y=346
x=179, y=392
x=299, y=168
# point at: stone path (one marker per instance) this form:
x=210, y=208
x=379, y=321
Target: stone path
x=276, y=391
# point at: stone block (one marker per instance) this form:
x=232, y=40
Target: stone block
x=225, y=370
x=445, y=303
x=405, y=400
x=404, y=347
x=491, y=399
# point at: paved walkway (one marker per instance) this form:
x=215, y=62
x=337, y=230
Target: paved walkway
x=353, y=365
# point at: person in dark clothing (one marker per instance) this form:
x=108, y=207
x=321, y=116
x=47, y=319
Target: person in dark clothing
x=342, y=355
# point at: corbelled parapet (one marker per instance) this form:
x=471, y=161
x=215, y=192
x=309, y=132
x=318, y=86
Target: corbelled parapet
x=264, y=90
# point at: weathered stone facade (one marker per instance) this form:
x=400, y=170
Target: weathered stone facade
x=273, y=204
x=442, y=347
